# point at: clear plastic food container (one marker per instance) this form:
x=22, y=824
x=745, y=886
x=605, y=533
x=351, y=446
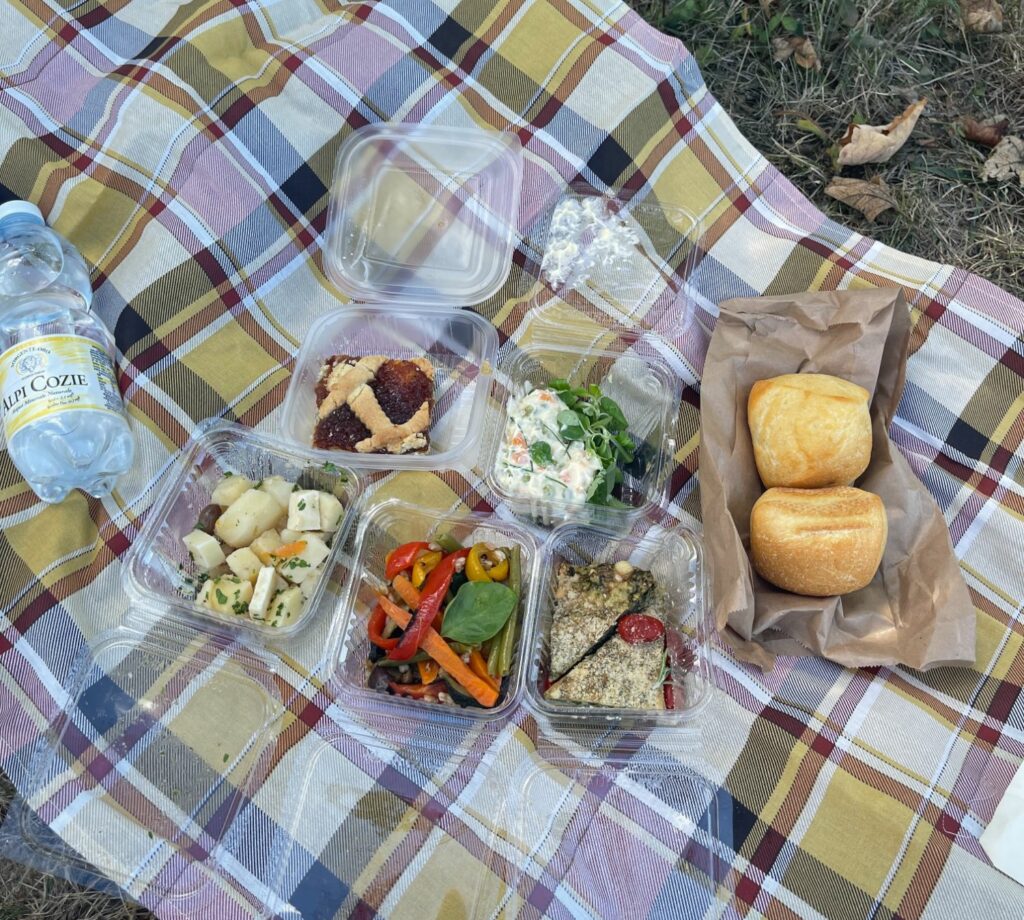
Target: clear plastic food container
x=460, y=346
x=423, y=214
x=382, y=528
x=619, y=260
x=633, y=839
x=675, y=558
x=159, y=573
x=151, y=767
x=646, y=391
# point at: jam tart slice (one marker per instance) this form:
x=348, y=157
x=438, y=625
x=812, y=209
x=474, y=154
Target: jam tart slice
x=374, y=404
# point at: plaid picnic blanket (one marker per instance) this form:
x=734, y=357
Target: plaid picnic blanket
x=186, y=149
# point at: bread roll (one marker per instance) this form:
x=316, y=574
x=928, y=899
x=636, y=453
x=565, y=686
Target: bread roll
x=818, y=542
x=809, y=430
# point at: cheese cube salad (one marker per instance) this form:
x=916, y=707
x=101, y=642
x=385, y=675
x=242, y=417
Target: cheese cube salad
x=262, y=547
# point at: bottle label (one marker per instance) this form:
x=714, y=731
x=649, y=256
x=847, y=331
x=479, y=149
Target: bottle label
x=50, y=374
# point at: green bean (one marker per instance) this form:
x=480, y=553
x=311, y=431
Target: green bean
x=448, y=543
x=388, y=663
x=507, y=637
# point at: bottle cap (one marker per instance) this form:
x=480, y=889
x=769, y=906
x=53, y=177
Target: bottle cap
x=11, y=208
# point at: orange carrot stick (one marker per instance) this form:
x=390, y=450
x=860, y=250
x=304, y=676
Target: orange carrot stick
x=289, y=550
x=405, y=590
x=442, y=653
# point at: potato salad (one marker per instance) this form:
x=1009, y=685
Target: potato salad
x=564, y=444
x=261, y=547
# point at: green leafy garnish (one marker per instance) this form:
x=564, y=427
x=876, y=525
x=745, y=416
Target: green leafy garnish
x=222, y=598
x=540, y=453
x=598, y=422
x=478, y=612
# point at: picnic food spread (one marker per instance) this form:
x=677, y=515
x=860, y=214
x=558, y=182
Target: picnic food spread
x=374, y=404
x=811, y=533
x=260, y=548
x=442, y=631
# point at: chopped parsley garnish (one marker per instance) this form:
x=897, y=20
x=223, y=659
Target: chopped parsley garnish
x=222, y=598
x=302, y=504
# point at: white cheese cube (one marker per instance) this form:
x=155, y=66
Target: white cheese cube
x=229, y=594
x=229, y=489
x=331, y=511
x=308, y=584
x=280, y=488
x=244, y=563
x=204, y=549
x=299, y=567
x=268, y=583
x=264, y=544
x=286, y=607
x=304, y=510
x=250, y=514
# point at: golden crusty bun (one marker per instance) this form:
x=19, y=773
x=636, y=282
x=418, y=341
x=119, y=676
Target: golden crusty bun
x=809, y=430
x=818, y=542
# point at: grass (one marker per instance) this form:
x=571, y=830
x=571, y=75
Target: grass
x=877, y=56
x=26, y=894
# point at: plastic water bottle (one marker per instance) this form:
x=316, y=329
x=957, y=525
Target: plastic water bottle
x=63, y=417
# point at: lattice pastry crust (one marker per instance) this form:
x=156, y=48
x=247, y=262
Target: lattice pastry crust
x=374, y=404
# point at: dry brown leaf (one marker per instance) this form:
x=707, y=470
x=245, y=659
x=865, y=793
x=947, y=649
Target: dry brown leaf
x=989, y=132
x=1006, y=161
x=982, y=15
x=877, y=143
x=797, y=47
x=869, y=196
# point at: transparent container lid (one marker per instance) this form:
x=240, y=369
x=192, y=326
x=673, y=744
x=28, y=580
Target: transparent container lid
x=160, y=575
x=619, y=260
x=619, y=839
x=674, y=557
x=460, y=346
x=423, y=214
x=163, y=743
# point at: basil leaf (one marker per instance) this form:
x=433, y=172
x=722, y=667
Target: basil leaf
x=540, y=453
x=478, y=612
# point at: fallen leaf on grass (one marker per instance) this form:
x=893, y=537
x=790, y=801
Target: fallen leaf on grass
x=869, y=196
x=989, y=132
x=1006, y=161
x=797, y=47
x=982, y=15
x=877, y=143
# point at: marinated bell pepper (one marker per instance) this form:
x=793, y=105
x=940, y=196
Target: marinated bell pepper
x=431, y=598
x=402, y=558
x=375, y=629
x=485, y=564
x=418, y=691
x=425, y=564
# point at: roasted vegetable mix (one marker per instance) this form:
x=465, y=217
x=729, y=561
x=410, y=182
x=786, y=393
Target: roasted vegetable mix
x=446, y=629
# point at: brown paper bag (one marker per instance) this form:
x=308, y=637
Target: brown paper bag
x=917, y=610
